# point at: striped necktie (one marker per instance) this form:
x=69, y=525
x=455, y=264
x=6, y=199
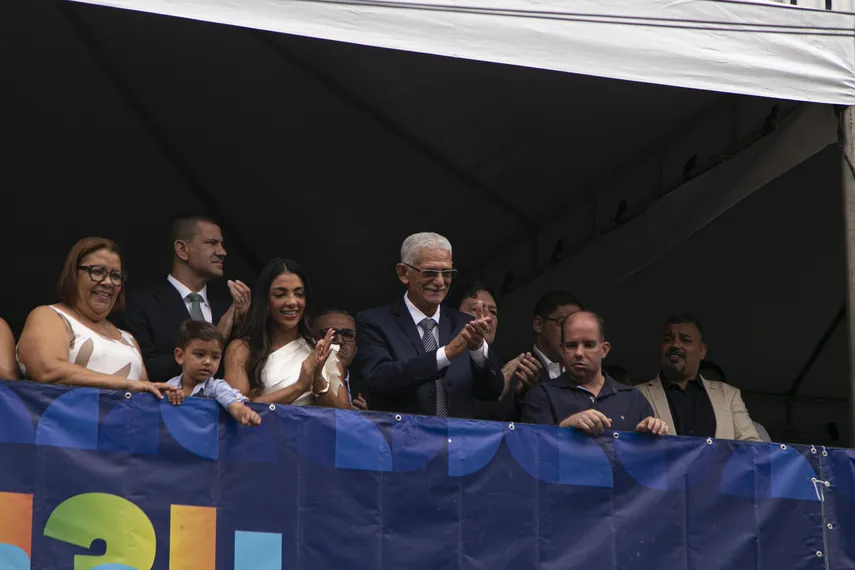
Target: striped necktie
x=429, y=342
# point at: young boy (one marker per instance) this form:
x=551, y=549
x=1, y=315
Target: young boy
x=199, y=352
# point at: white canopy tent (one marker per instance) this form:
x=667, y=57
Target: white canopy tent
x=614, y=179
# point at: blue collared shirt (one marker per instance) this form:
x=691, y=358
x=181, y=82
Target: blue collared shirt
x=552, y=401
x=215, y=389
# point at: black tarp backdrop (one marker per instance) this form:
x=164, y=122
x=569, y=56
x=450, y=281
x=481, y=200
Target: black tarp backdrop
x=332, y=153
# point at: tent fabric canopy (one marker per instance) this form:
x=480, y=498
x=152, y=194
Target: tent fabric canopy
x=331, y=153
x=751, y=48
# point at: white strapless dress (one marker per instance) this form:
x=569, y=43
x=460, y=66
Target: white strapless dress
x=282, y=369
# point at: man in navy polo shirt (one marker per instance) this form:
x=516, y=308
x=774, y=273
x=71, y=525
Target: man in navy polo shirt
x=583, y=397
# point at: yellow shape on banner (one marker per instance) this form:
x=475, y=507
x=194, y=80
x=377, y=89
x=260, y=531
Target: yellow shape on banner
x=192, y=538
x=122, y=525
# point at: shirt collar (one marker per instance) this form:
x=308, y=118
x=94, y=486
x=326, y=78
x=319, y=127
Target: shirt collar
x=200, y=387
x=667, y=383
x=553, y=368
x=417, y=315
x=610, y=386
x=183, y=290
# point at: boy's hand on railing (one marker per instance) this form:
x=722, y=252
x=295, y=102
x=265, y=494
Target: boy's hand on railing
x=244, y=415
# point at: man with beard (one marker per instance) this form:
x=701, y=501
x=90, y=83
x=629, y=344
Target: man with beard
x=583, y=397
x=154, y=316
x=418, y=357
x=689, y=403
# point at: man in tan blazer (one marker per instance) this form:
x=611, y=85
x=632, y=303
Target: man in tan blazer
x=687, y=402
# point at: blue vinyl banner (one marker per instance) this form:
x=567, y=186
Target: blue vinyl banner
x=113, y=481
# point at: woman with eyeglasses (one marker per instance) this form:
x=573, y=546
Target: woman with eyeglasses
x=275, y=358
x=72, y=342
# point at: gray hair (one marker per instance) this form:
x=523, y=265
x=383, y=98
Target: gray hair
x=425, y=240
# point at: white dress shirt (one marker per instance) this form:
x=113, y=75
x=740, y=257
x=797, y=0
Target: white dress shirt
x=553, y=368
x=479, y=356
x=184, y=291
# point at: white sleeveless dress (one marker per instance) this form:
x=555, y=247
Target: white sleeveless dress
x=98, y=353
x=283, y=366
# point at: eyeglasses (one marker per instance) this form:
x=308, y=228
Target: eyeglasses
x=98, y=273
x=447, y=274
x=347, y=335
x=558, y=320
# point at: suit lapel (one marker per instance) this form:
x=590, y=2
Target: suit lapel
x=446, y=327
x=660, y=403
x=171, y=301
x=405, y=321
x=716, y=397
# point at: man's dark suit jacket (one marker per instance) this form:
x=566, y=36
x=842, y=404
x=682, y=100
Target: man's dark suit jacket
x=401, y=375
x=544, y=371
x=153, y=317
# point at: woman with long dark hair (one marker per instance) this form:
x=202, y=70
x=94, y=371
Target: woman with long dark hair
x=274, y=358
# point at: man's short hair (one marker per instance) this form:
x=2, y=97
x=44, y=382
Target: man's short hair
x=683, y=318
x=198, y=330
x=185, y=228
x=333, y=311
x=554, y=299
x=424, y=240
x=469, y=290
x=601, y=323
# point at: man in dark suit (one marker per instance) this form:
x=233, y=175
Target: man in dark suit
x=517, y=374
x=550, y=311
x=417, y=357
x=153, y=316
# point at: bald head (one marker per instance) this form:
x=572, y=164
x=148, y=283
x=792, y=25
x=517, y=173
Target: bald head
x=586, y=319
x=584, y=346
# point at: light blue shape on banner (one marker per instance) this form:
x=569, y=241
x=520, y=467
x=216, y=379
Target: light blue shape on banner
x=561, y=456
x=791, y=475
x=13, y=558
x=71, y=420
x=114, y=567
x=359, y=444
x=194, y=425
x=645, y=461
x=416, y=440
x=132, y=426
x=16, y=425
x=471, y=445
x=738, y=474
x=258, y=550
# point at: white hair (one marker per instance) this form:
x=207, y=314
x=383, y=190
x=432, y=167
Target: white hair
x=425, y=240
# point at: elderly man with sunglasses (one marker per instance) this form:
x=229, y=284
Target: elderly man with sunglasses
x=344, y=336
x=418, y=357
